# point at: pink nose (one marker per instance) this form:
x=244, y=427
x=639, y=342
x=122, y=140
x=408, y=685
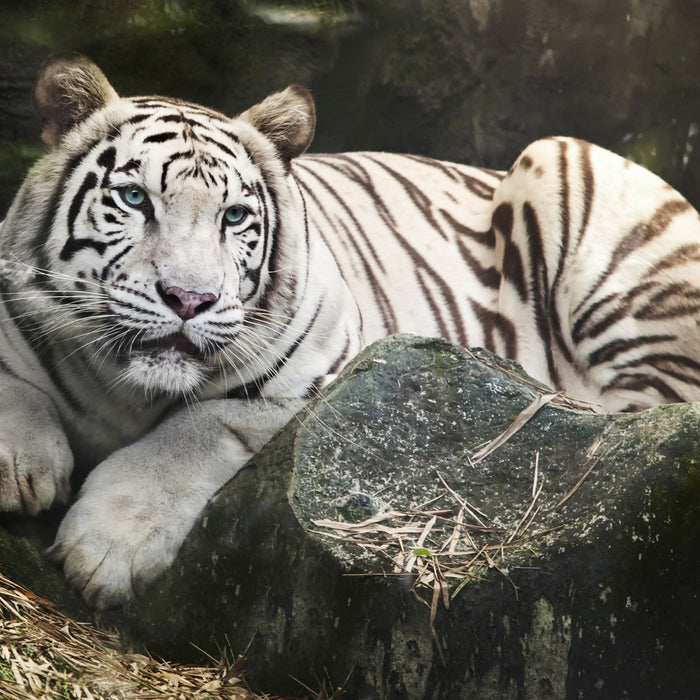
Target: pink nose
x=187, y=304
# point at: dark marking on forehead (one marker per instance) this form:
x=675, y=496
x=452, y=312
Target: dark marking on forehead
x=133, y=164
x=183, y=155
x=182, y=119
x=107, y=157
x=161, y=137
x=138, y=118
x=106, y=160
x=219, y=145
x=179, y=118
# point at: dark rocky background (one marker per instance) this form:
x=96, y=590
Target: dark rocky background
x=467, y=80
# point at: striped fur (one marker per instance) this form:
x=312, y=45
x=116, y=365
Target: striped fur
x=175, y=282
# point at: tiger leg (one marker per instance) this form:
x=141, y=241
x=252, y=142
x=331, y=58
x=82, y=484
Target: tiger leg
x=35, y=459
x=136, y=508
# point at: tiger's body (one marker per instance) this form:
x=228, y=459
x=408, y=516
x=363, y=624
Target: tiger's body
x=176, y=283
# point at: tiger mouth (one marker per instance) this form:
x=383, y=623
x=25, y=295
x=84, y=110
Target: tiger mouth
x=177, y=342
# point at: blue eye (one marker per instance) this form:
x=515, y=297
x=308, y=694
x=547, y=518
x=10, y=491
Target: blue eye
x=235, y=214
x=133, y=195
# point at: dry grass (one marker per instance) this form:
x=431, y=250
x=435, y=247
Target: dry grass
x=46, y=655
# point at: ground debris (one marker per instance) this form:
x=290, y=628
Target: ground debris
x=45, y=655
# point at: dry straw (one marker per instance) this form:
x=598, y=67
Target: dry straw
x=455, y=544
x=46, y=655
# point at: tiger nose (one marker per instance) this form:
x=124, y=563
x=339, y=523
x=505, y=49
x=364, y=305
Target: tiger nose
x=186, y=304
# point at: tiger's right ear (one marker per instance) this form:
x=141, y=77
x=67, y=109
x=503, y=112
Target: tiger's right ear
x=69, y=88
x=288, y=119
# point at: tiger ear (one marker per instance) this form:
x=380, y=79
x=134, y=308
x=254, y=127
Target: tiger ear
x=69, y=88
x=287, y=118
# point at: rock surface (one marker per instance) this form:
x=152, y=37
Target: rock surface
x=593, y=595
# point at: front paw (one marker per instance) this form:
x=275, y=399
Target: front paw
x=120, y=535
x=35, y=468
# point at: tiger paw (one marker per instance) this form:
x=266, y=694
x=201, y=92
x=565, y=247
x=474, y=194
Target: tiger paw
x=35, y=466
x=123, y=531
x=106, y=555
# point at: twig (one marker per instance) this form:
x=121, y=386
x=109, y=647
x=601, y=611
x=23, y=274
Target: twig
x=535, y=495
x=472, y=510
x=523, y=417
x=580, y=481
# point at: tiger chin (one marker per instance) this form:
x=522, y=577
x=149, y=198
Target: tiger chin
x=175, y=282
x=168, y=371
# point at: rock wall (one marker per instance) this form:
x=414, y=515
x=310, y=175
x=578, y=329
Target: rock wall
x=467, y=80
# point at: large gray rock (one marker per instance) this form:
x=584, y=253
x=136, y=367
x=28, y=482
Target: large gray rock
x=590, y=595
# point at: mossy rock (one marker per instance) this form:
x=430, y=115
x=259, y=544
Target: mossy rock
x=591, y=595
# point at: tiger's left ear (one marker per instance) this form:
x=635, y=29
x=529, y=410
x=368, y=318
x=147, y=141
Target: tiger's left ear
x=287, y=118
x=69, y=88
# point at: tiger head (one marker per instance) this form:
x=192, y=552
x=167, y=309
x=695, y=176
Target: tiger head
x=155, y=232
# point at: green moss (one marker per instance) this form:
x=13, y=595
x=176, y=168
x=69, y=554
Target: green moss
x=690, y=463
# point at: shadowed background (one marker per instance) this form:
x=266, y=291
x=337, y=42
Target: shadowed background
x=466, y=80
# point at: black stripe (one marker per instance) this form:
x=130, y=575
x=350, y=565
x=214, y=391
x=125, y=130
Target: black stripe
x=673, y=301
x=73, y=245
x=267, y=235
x=381, y=299
x=161, y=137
x=366, y=183
x=450, y=305
x=563, y=252
x=488, y=276
x=477, y=187
x=415, y=194
x=113, y=260
x=512, y=266
x=639, y=382
x=42, y=236
x=218, y=144
x=138, y=118
x=130, y=165
x=182, y=155
x=609, y=351
x=494, y=323
x=621, y=308
x=638, y=236
x=539, y=287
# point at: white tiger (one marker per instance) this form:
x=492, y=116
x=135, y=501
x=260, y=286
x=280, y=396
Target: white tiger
x=176, y=282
